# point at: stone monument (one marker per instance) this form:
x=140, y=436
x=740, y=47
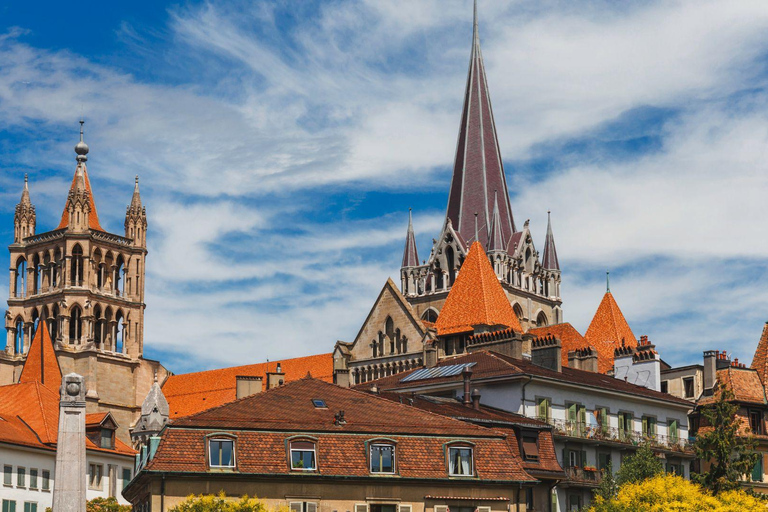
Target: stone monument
x=69, y=483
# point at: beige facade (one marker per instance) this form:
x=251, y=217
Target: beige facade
x=87, y=285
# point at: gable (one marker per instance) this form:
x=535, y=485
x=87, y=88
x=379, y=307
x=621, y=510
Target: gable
x=389, y=304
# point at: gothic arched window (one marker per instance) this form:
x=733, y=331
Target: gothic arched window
x=451, y=262
x=75, y=325
x=541, y=320
x=18, y=344
x=430, y=315
x=76, y=272
x=518, y=311
x=20, y=283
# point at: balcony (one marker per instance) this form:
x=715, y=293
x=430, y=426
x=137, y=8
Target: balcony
x=583, y=476
x=579, y=430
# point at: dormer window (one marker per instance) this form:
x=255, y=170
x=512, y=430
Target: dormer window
x=530, y=446
x=382, y=458
x=303, y=456
x=460, y=461
x=107, y=439
x=221, y=453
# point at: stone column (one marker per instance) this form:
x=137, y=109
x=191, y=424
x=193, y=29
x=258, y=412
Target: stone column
x=70, y=475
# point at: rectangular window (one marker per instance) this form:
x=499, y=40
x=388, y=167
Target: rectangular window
x=32, y=478
x=529, y=505
x=460, y=462
x=303, y=456
x=106, y=439
x=303, y=506
x=21, y=477
x=382, y=458
x=30, y=506
x=382, y=507
x=665, y=386
x=577, y=419
x=603, y=460
x=649, y=426
x=625, y=425
x=544, y=409
x=672, y=426
x=8, y=475
x=530, y=447
x=46, y=480
x=688, y=387
x=9, y=506
x=95, y=472
x=756, y=422
x=404, y=508
x=126, y=477
x=601, y=414
x=222, y=453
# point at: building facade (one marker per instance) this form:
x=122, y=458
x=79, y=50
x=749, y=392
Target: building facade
x=86, y=285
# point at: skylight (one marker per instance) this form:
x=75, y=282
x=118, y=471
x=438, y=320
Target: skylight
x=437, y=372
x=319, y=403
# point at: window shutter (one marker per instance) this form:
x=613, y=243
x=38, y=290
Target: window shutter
x=311, y=507
x=584, y=458
x=361, y=507
x=572, y=412
x=645, y=426
x=542, y=409
x=604, y=417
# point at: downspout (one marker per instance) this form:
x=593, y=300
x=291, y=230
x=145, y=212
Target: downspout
x=552, y=488
x=530, y=378
x=162, y=494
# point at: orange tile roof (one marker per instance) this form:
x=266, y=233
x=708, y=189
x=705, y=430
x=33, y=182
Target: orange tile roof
x=190, y=393
x=760, y=359
x=609, y=330
x=29, y=416
x=476, y=298
x=41, y=364
x=744, y=383
x=571, y=338
x=95, y=418
x=93, y=216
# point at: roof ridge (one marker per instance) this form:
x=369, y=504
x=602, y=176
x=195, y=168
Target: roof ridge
x=247, y=365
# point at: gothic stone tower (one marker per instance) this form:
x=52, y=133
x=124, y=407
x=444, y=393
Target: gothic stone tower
x=479, y=209
x=87, y=285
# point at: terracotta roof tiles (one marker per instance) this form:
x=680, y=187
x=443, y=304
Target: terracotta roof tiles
x=41, y=364
x=93, y=216
x=760, y=359
x=570, y=338
x=608, y=331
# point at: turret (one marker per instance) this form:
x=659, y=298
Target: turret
x=80, y=208
x=136, y=219
x=25, y=219
x=410, y=260
x=550, y=263
x=154, y=415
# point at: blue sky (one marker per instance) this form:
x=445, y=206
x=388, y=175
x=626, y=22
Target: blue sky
x=280, y=145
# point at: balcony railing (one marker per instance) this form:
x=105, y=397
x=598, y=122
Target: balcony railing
x=582, y=475
x=600, y=433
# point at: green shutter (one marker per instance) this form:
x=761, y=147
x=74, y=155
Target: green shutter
x=673, y=430
x=645, y=426
x=582, y=415
x=604, y=418
x=757, y=471
x=621, y=422
x=572, y=412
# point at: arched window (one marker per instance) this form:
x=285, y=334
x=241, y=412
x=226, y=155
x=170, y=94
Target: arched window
x=451, y=262
x=430, y=315
x=541, y=320
x=518, y=311
x=35, y=323
x=98, y=332
x=55, y=271
x=20, y=283
x=438, y=272
x=53, y=322
x=118, y=280
x=18, y=342
x=76, y=272
x=119, y=332
x=37, y=272
x=389, y=330
x=75, y=326
x=375, y=351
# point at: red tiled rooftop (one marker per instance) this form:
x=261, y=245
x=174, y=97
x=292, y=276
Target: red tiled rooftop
x=41, y=364
x=190, y=393
x=93, y=216
x=760, y=359
x=608, y=331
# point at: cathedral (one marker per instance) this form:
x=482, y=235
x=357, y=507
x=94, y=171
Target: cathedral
x=401, y=323
x=84, y=286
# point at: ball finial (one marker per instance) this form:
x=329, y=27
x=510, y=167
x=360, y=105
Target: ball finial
x=81, y=148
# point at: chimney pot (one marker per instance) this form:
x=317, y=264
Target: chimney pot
x=476, y=399
x=467, y=374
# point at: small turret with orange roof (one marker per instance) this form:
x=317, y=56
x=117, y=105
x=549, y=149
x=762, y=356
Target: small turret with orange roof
x=476, y=299
x=609, y=330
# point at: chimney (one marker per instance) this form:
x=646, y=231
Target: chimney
x=476, y=399
x=430, y=357
x=276, y=378
x=546, y=352
x=583, y=359
x=467, y=374
x=247, y=385
x=341, y=378
x=712, y=360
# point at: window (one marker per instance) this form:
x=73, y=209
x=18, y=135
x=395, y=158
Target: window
x=756, y=422
x=757, y=470
x=529, y=505
x=574, y=458
x=33, y=479
x=676, y=469
x=404, y=508
x=574, y=502
x=30, y=506
x=544, y=409
x=530, y=447
x=126, y=477
x=382, y=507
x=603, y=460
x=303, y=456
x=649, y=426
x=8, y=475
x=577, y=418
x=625, y=424
x=601, y=415
x=303, y=506
x=688, y=387
x=21, y=477
x=107, y=438
x=319, y=403
x=46, y=480
x=382, y=458
x=95, y=472
x=9, y=506
x=665, y=386
x=460, y=461
x=222, y=453
x=673, y=428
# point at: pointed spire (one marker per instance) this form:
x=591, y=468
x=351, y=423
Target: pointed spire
x=25, y=200
x=478, y=168
x=760, y=359
x=477, y=234
x=136, y=199
x=41, y=364
x=495, y=235
x=549, y=259
x=81, y=184
x=410, y=255
x=607, y=281
x=81, y=148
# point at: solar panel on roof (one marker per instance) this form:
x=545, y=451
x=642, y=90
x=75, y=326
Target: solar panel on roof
x=437, y=372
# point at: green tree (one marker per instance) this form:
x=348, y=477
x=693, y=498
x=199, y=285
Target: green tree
x=641, y=465
x=608, y=487
x=219, y=503
x=730, y=454
x=103, y=505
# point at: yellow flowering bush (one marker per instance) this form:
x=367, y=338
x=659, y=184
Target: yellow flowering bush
x=670, y=493
x=221, y=503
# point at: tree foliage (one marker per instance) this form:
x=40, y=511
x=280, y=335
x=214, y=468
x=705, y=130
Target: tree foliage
x=730, y=454
x=672, y=493
x=103, y=505
x=220, y=503
x=639, y=466
x=608, y=487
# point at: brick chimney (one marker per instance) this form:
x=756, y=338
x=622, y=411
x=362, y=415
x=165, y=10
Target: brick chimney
x=248, y=385
x=276, y=378
x=546, y=352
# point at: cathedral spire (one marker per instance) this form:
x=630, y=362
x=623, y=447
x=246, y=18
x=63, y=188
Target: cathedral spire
x=25, y=219
x=549, y=260
x=80, y=197
x=478, y=168
x=410, y=254
x=136, y=218
x=25, y=200
x=495, y=235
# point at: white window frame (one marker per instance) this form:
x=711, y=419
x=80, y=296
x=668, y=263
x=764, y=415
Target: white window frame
x=394, y=459
x=291, y=449
x=210, y=459
x=361, y=507
x=21, y=476
x=471, y=459
x=404, y=508
x=304, y=506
